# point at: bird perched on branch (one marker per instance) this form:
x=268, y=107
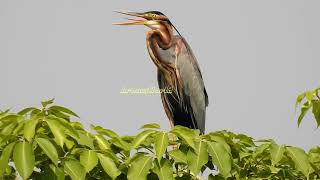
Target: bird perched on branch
x=177, y=70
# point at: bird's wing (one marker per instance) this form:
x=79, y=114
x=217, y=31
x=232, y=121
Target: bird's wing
x=195, y=98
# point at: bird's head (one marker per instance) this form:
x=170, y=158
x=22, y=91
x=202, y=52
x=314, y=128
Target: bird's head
x=152, y=19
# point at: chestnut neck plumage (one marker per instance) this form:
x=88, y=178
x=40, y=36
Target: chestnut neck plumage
x=161, y=37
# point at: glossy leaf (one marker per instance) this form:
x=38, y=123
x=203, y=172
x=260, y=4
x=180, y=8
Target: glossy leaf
x=26, y=110
x=161, y=141
x=185, y=134
x=58, y=171
x=316, y=111
x=65, y=125
x=276, y=153
x=304, y=109
x=221, y=141
x=178, y=156
x=141, y=137
x=103, y=131
x=198, y=157
x=220, y=157
x=24, y=159
x=151, y=126
x=300, y=159
x=29, y=129
x=309, y=96
x=48, y=102
x=163, y=169
x=75, y=170
x=5, y=156
x=109, y=166
x=49, y=149
x=57, y=131
x=260, y=150
x=102, y=142
x=88, y=159
x=120, y=143
x=139, y=168
x=85, y=139
x=64, y=110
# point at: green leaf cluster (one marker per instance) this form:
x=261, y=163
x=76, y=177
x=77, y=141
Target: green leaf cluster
x=46, y=143
x=309, y=100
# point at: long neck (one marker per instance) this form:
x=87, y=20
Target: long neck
x=161, y=37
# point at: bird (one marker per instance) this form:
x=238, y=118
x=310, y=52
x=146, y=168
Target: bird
x=177, y=70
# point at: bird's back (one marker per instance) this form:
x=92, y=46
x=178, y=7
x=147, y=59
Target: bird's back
x=191, y=94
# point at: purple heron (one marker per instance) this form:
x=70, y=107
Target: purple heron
x=177, y=70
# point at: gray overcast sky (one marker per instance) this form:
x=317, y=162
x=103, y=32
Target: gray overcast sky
x=255, y=56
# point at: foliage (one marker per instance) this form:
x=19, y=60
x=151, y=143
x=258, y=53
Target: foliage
x=46, y=144
x=309, y=100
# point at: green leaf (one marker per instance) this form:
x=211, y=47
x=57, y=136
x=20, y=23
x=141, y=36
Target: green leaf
x=163, y=169
x=5, y=156
x=139, y=168
x=52, y=112
x=276, y=153
x=75, y=170
x=9, y=117
x=304, y=109
x=36, y=113
x=151, y=126
x=118, y=142
x=245, y=140
x=26, y=110
x=111, y=155
x=88, y=159
x=316, y=111
x=102, y=142
x=66, y=125
x=59, y=174
x=300, y=159
x=29, y=129
x=46, y=103
x=222, y=141
x=178, y=156
x=57, y=131
x=141, y=137
x=7, y=130
x=49, y=149
x=24, y=159
x=220, y=157
x=103, y=131
x=216, y=177
x=309, y=95
x=314, y=158
x=300, y=98
x=18, y=130
x=198, y=157
x=161, y=141
x=85, y=139
x=260, y=150
x=64, y=110
x=109, y=166
x=185, y=134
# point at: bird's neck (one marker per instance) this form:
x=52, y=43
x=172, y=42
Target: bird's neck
x=159, y=38
x=163, y=36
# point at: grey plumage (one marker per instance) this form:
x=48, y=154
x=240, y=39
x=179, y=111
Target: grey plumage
x=192, y=99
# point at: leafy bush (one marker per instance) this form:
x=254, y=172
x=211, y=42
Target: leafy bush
x=46, y=144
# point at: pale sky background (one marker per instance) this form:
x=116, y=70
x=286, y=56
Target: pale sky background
x=255, y=57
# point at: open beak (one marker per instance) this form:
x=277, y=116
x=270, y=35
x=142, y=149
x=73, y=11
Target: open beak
x=133, y=21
